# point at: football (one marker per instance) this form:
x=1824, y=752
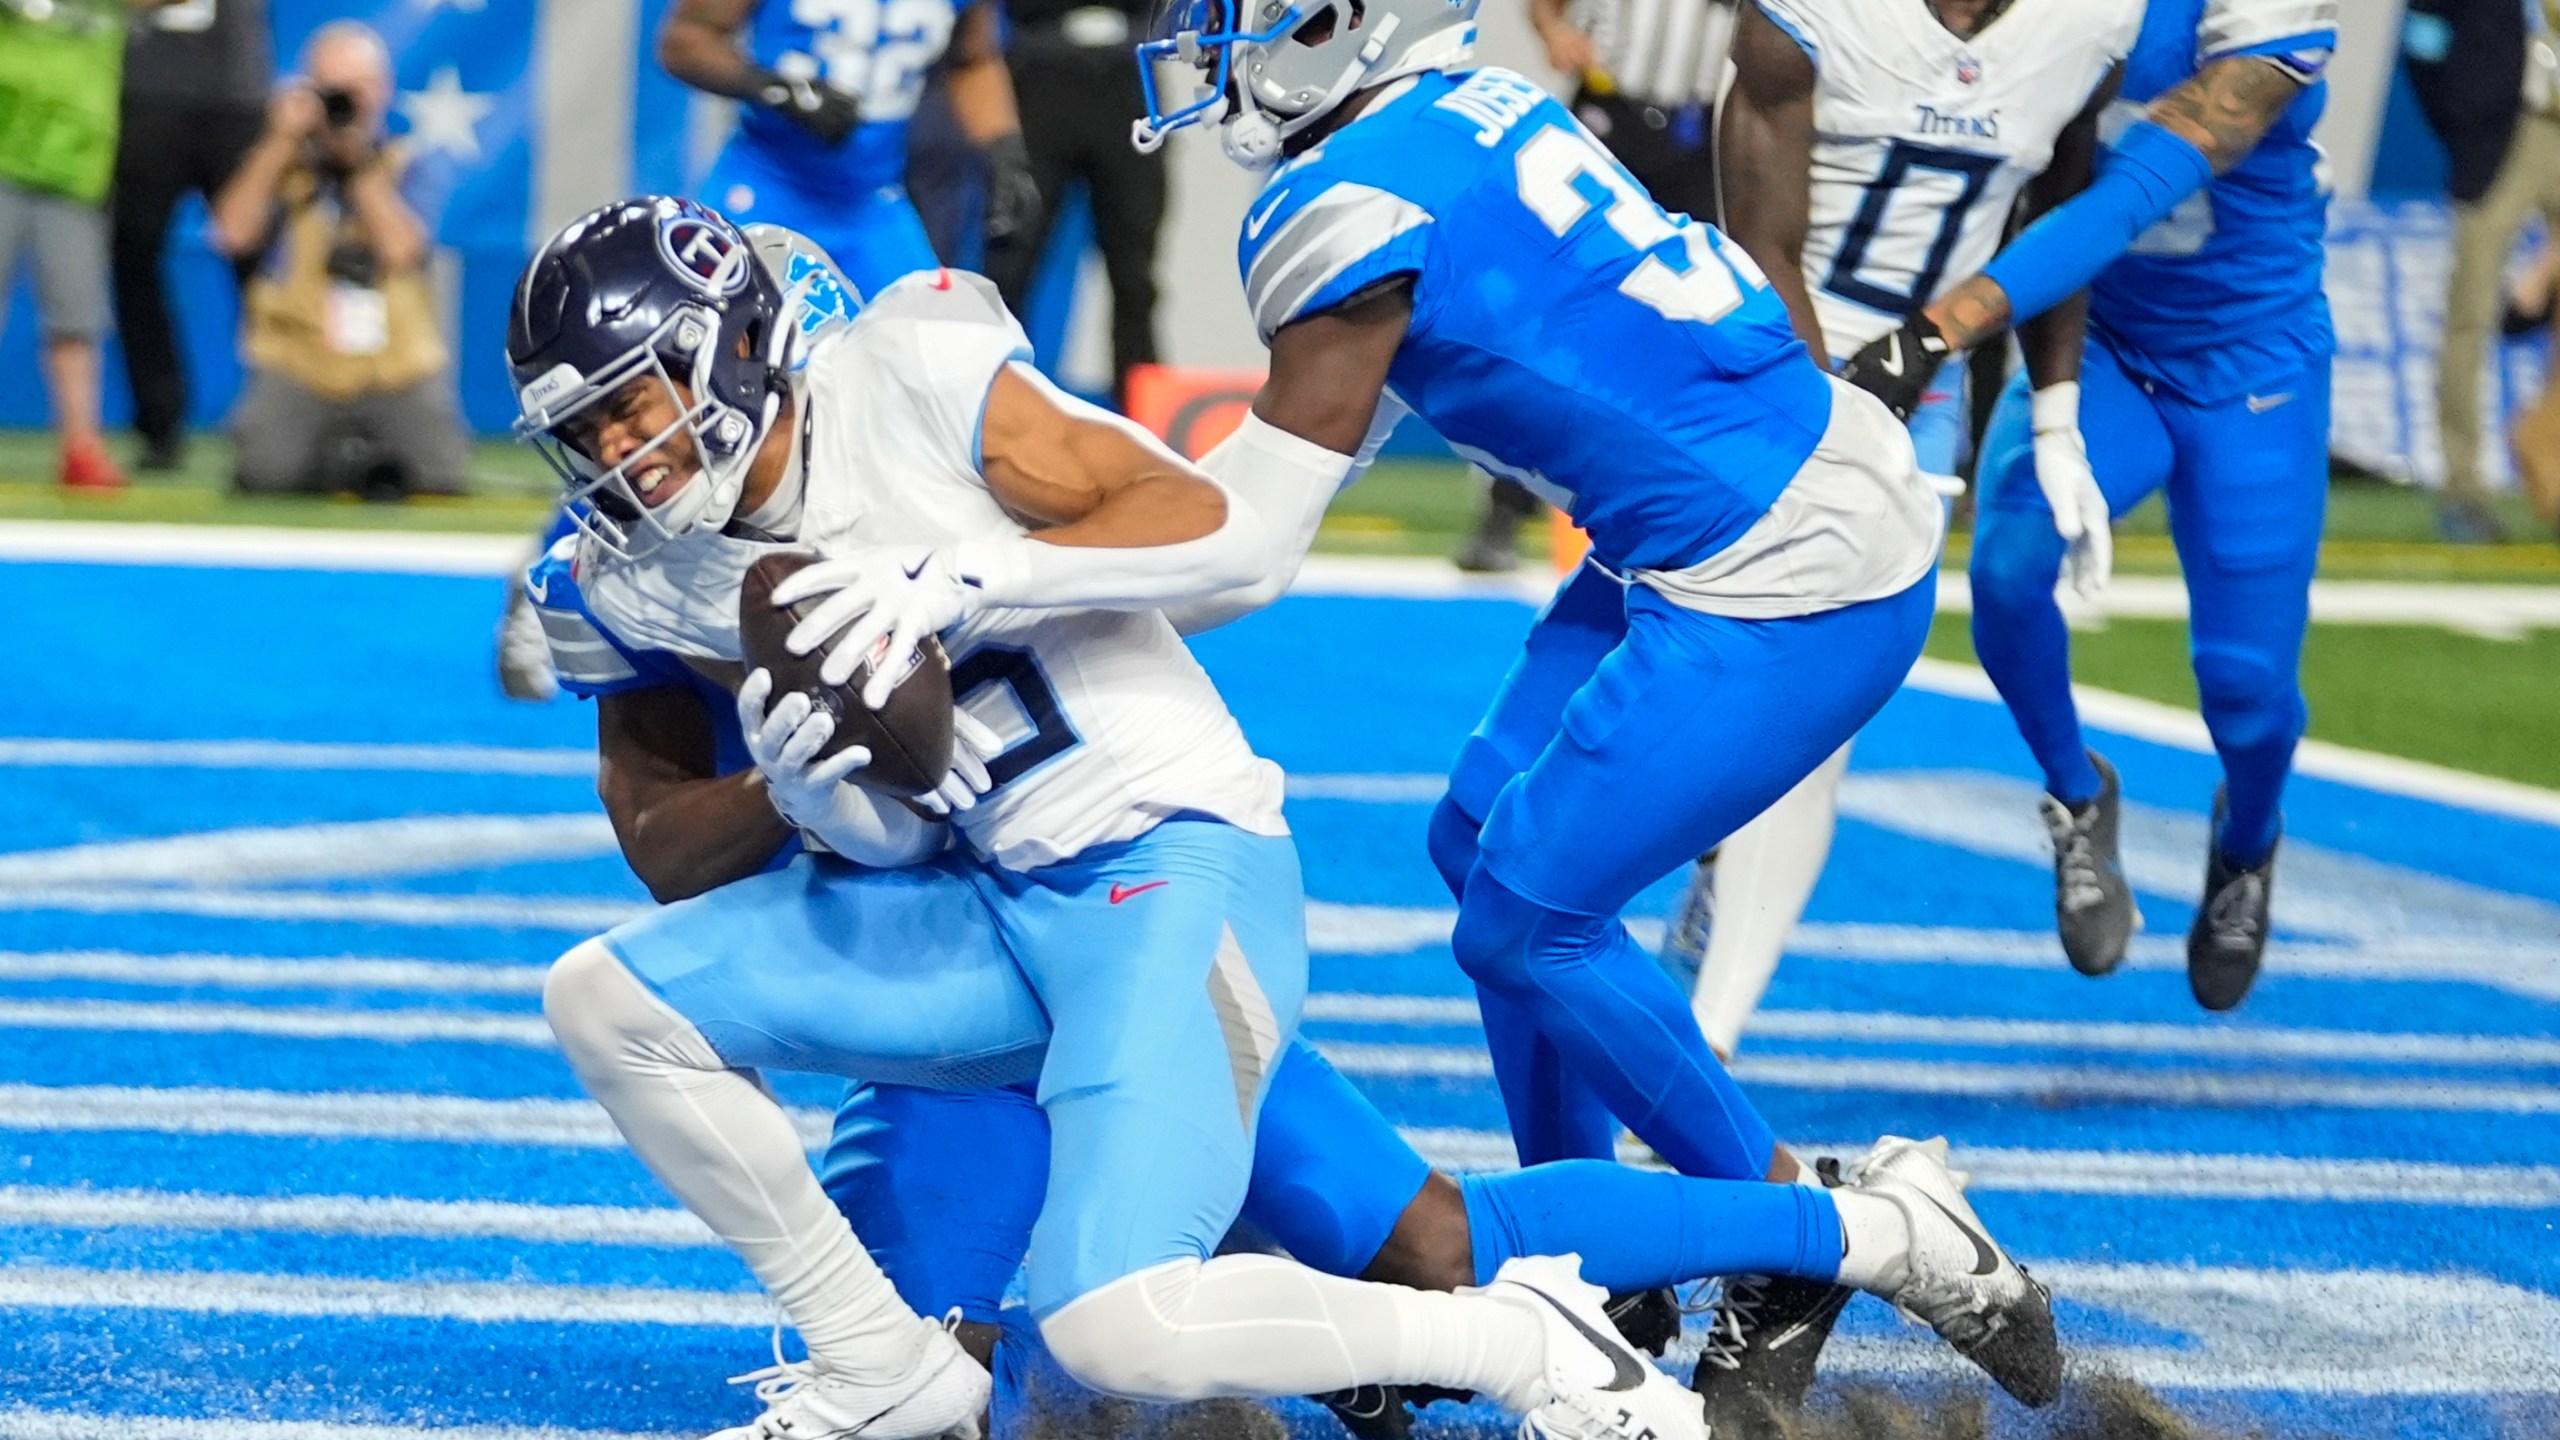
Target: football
x=909, y=737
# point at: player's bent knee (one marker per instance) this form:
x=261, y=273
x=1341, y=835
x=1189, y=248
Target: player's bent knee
x=1495, y=929
x=2017, y=557
x=2247, y=699
x=603, y=1016
x=1126, y=1338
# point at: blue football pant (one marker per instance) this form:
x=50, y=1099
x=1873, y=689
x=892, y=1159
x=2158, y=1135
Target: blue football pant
x=1153, y=1021
x=2248, y=485
x=943, y=1187
x=874, y=236
x=1631, y=736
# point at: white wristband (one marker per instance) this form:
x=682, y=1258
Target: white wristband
x=2055, y=407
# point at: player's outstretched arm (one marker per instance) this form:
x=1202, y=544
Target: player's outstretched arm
x=1764, y=158
x=2199, y=129
x=2052, y=343
x=1318, y=421
x=1116, y=522
x=684, y=827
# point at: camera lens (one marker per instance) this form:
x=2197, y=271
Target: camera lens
x=339, y=107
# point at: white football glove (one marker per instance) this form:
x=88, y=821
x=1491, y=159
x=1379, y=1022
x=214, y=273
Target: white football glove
x=812, y=794
x=972, y=746
x=880, y=601
x=2071, y=489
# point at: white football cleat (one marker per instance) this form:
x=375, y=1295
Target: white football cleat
x=1594, y=1385
x=1958, y=1281
x=942, y=1395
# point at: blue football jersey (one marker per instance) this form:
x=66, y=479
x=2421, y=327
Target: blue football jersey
x=1633, y=366
x=874, y=50
x=2227, y=289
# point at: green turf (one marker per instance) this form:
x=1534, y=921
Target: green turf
x=2491, y=706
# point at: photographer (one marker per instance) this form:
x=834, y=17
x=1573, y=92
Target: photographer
x=350, y=384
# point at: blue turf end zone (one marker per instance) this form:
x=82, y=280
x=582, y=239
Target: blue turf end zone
x=281, y=1138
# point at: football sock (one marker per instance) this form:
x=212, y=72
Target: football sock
x=1764, y=874
x=1257, y=1325
x=1875, y=1238
x=2020, y=637
x=1643, y=1229
x=716, y=1140
x=1618, y=1021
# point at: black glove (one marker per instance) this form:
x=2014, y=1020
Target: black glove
x=1898, y=368
x=1013, y=197
x=813, y=105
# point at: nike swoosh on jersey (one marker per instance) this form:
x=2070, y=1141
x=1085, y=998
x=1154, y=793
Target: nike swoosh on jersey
x=1985, y=1258
x=2261, y=404
x=1253, y=223
x=1627, y=1371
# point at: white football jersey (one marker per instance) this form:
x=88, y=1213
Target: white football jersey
x=1110, y=724
x=1922, y=140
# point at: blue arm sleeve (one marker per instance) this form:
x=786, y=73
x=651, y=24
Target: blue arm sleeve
x=2141, y=180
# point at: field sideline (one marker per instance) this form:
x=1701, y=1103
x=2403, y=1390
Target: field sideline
x=285, y=1150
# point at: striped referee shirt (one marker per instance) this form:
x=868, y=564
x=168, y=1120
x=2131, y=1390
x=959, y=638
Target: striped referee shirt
x=1664, y=53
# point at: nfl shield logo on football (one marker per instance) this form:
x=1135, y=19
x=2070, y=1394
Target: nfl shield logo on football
x=1968, y=70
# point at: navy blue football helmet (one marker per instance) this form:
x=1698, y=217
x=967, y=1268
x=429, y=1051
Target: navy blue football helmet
x=649, y=288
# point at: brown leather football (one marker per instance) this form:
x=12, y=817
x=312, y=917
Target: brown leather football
x=909, y=737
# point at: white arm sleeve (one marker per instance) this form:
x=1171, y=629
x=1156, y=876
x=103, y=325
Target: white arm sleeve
x=1029, y=572
x=1289, y=481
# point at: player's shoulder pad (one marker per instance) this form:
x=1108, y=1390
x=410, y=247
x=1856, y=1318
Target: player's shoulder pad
x=933, y=310
x=587, y=660
x=2297, y=34
x=1807, y=22
x=1317, y=234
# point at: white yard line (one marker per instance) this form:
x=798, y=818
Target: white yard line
x=20, y=1422
x=579, y=1125
x=257, y=972
x=296, y=755
x=368, y=1215
x=411, y=1024
x=483, y=1302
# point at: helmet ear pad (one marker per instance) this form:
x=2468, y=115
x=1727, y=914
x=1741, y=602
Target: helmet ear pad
x=1252, y=140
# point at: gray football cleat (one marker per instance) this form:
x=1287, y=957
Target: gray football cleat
x=1958, y=1281
x=2229, y=936
x=2093, y=906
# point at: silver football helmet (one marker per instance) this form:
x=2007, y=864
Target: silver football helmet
x=1271, y=68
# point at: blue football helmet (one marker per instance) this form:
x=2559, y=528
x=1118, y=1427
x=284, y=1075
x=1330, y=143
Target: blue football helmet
x=1271, y=68
x=661, y=289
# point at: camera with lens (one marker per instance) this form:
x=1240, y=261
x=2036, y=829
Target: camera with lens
x=337, y=107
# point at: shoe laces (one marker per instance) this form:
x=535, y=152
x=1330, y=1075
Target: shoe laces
x=2077, y=878
x=1736, y=1322
x=779, y=1381
x=2233, y=916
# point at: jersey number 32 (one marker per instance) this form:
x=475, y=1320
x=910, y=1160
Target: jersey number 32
x=1684, y=274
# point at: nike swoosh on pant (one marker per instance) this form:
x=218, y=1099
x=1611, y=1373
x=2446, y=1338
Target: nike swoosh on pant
x=1627, y=1374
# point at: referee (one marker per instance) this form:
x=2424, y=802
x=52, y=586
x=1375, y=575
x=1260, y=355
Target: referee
x=1646, y=74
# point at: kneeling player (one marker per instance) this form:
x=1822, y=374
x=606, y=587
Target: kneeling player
x=686, y=828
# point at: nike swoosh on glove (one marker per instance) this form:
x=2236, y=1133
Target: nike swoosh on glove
x=884, y=599
x=1898, y=368
x=2080, y=514
x=813, y=105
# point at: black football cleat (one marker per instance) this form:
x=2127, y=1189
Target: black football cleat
x=2229, y=936
x=1649, y=1319
x=1763, y=1340
x=2093, y=907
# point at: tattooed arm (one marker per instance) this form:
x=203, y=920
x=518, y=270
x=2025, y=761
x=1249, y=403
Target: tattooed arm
x=2196, y=131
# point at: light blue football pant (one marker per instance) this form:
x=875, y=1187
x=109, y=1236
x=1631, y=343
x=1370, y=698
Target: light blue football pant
x=1162, y=975
x=2248, y=483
